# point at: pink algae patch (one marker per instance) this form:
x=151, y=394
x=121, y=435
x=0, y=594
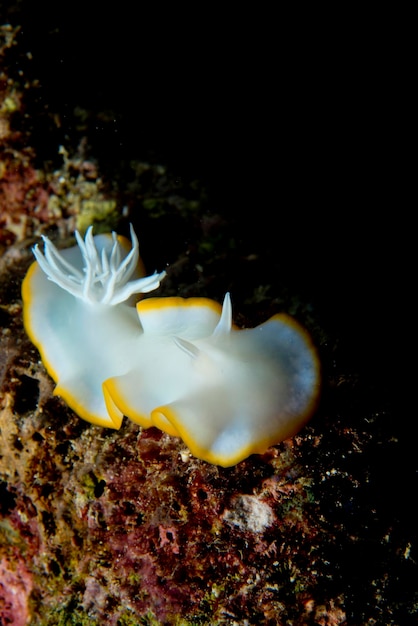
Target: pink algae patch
x=15, y=588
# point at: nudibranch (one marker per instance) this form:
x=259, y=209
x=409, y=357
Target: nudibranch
x=177, y=364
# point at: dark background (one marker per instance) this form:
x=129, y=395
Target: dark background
x=292, y=127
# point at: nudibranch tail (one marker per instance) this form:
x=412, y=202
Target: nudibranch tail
x=78, y=312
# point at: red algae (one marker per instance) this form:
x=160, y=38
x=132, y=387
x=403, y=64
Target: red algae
x=15, y=589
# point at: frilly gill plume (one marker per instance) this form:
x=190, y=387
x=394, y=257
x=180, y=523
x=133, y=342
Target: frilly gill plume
x=104, y=279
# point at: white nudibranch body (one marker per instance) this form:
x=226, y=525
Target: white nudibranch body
x=178, y=364
x=78, y=311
